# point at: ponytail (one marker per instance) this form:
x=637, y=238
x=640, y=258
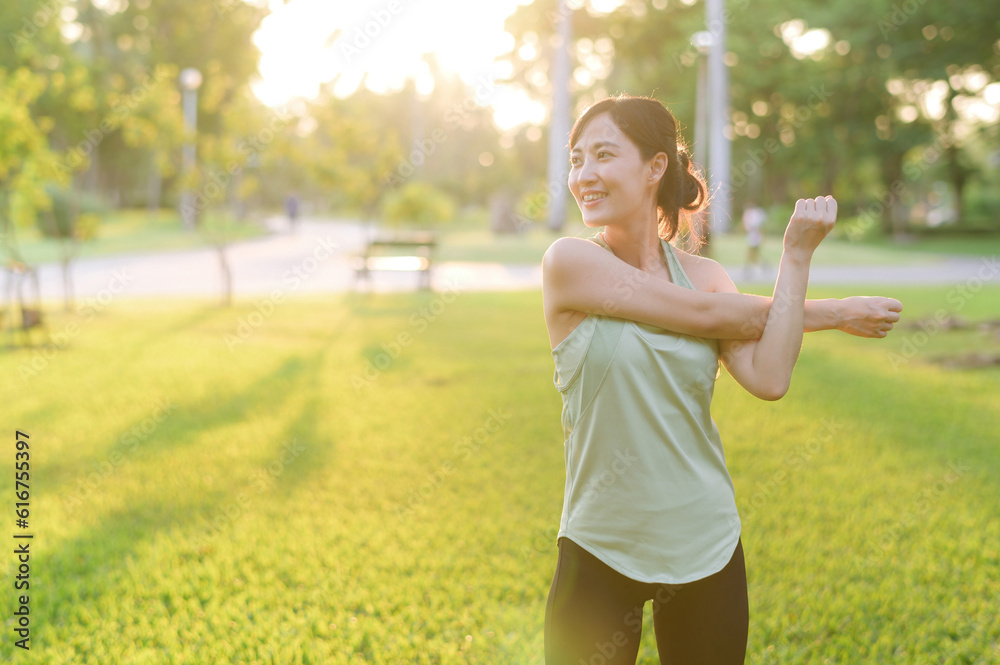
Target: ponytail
x=682, y=188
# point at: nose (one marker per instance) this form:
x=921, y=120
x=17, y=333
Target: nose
x=585, y=172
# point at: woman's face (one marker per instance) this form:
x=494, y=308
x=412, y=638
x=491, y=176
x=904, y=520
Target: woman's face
x=608, y=177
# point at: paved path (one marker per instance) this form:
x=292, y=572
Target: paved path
x=320, y=257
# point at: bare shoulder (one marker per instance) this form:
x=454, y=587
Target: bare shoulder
x=705, y=274
x=568, y=252
x=565, y=267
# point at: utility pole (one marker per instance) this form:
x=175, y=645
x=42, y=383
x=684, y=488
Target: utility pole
x=719, y=147
x=559, y=125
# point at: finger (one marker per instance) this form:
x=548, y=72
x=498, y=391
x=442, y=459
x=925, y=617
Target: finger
x=892, y=317
x=820, y=204
x=800, y=208
x=829, y=211
x=895, y=305
x=810, y=208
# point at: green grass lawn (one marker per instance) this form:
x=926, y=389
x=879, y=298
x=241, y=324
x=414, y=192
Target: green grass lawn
x=378, y=479
x=133, y=231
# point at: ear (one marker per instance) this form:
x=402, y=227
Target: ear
x=658, y=166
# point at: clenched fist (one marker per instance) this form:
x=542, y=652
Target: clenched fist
x=868, y=316
x=811, y=221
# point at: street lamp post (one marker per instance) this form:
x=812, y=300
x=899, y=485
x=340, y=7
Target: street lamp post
x=559, y=127
x=702, y=42
x=718, y=92
x=190, y=81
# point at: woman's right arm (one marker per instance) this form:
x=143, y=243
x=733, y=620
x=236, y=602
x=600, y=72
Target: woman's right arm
x=579, y=275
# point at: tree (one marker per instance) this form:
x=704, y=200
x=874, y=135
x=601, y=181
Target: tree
x=26, y=161
x=814, y=99
x=73, y=218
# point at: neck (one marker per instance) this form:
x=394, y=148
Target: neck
x=639, y=246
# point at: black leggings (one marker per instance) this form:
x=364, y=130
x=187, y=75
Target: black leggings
x=594, y=614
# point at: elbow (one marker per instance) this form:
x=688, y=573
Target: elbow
x=772, y=391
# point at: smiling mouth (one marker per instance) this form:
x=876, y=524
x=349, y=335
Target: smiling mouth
x=593, y=198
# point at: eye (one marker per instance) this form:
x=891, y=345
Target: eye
x=603, y=152
x=574, y=160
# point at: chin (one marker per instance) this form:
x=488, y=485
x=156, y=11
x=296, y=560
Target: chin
x=592, y=220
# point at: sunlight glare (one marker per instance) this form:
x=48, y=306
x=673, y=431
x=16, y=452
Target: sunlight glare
x=306, y=43
x=514, y=107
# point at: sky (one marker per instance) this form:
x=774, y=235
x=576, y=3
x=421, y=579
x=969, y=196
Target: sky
x=307, y=42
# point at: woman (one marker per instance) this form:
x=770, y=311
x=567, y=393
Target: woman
x=637, y=328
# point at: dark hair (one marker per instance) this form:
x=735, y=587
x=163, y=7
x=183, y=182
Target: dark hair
x=652, y=128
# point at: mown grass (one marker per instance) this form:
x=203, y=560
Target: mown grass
x=378, y=479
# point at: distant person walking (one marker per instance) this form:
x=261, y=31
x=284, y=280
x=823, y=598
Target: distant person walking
x=637, y=328
x=753, y=223
x=292, y=211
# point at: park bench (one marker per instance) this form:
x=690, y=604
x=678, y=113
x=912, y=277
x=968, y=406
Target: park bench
x=399, y=251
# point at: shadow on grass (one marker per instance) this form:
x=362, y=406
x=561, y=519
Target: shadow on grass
x=93, y=560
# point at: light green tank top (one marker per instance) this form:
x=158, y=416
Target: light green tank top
x=647, y=489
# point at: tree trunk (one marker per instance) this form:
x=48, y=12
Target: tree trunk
x=959, y=175
x=227, y=275
x=892, y=214
x=9, y=238
x=70, y=247
x=777, y=187
x=502, y=218
x=239, y=204
x=91, y=181
x=154, y=190
x=67, y=283
x=830, y=175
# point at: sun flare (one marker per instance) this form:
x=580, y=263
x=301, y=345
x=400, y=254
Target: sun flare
x=384, y=42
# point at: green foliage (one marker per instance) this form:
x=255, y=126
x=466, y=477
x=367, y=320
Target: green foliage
x=420, y=204
x=840, y=120
x=73, y=215
x=534, y=204
x=111, y=98
x=26, y=161
x=982, y=207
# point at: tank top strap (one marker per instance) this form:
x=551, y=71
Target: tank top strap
x=677, y=273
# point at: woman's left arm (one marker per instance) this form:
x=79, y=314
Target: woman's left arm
x=764, y=367
x=864, y=316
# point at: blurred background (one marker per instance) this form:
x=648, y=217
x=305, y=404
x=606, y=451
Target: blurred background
x=164, y=125
x=238, y=454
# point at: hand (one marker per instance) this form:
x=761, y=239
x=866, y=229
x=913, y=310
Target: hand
x=811, y=221
x=868, y=316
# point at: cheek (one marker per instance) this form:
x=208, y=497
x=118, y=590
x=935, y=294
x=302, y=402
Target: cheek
x=574, y=183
